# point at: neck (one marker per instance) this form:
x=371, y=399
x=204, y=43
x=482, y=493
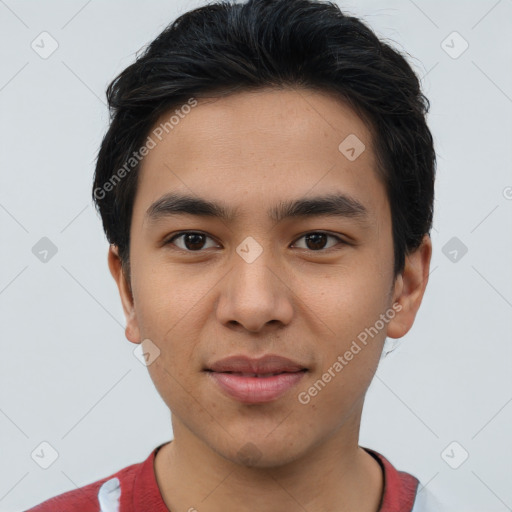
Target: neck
x=337, y=476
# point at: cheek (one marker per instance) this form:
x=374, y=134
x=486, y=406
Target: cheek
x=166, y=298
x=351, y=307
x=172, y=380
x=351, y=302
x=167, y=315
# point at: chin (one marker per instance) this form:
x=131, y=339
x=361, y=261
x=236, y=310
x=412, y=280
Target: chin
x=262, y=453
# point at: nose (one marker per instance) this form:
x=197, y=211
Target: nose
x=255, y=295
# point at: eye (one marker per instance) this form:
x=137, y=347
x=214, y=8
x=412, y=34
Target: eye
x=191, y=241
x=317, y=239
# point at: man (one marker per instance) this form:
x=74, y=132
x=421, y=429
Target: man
x=266, y=185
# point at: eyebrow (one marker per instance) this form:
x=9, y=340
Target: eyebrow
x=336, y=205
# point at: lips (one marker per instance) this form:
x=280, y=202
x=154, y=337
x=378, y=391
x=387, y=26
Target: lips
x=260, y=375
x=253, y=381
x=266, y=365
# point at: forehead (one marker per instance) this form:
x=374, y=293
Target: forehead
x=262, y=145
x=248, y=120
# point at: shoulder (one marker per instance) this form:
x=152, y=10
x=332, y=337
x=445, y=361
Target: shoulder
x=403, y=491
x=102, y=495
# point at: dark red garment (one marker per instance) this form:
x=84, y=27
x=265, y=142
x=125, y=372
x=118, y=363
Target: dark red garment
x=140, y=492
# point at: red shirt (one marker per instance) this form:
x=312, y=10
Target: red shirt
x=136, y=490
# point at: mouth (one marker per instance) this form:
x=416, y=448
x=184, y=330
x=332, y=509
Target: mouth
x=254, y=388
x=252, y=380
x=265, y=365
x=258, y=375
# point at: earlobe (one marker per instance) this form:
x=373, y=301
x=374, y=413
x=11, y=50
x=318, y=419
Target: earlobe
x=409, y=289
x=116, y=269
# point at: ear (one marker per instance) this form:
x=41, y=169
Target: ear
x=132, y=332
x=409, y=289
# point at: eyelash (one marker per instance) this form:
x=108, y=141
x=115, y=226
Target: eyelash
x=182, y=233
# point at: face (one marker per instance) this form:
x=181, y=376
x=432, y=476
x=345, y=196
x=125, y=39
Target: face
x=260, y=281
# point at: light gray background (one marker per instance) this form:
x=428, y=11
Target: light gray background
x=69, y=376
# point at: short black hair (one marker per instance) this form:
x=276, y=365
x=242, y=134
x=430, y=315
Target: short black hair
x=227, y=47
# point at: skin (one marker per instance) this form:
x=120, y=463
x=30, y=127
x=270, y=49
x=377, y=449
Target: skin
x=251, y=150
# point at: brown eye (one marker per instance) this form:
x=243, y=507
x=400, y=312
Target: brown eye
x=316, y=241
x=190, y=241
